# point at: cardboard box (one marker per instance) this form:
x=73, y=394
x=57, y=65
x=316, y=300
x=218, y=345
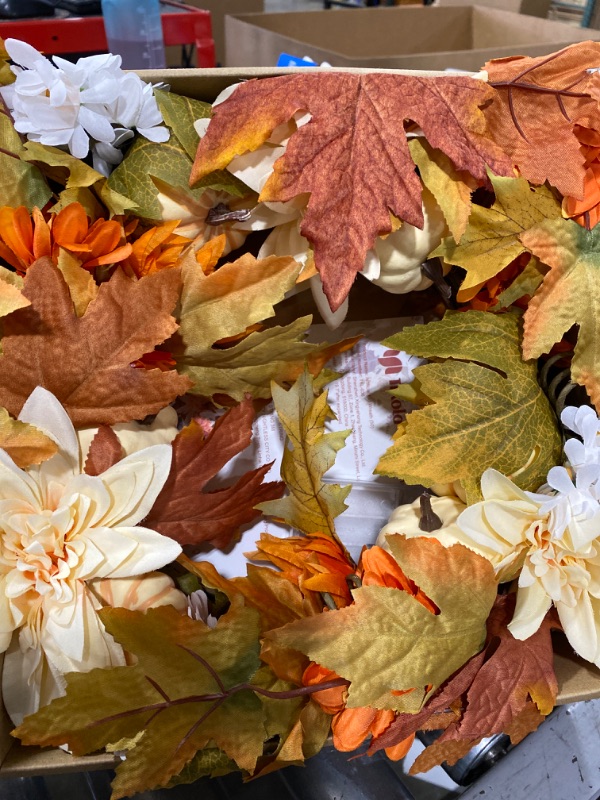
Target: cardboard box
x=424, y=38
x=578, y=680
x=534, y=8
x=218, y=10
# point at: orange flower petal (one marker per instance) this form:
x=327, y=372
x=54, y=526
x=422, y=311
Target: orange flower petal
x=351, y=727
x=70, y=225
x=400, y=750
x=103, y=238
x=16, y=231
x=331, y=700
x=120, y=254
x=42, y=240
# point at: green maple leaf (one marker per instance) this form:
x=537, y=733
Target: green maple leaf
x=147, y=162
x=22, y=183
x=567, y=296
x=491, y=240
x=178, y=661
x=387, y=640
x=312, y=504
x=487, y=408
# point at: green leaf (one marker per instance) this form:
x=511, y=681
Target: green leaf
x=210, y=762
x=486, y=410
x=22, y=184
x=311, y=505
x=180, y=113
x=158, y=696
x=76, y=176
x=491, y=240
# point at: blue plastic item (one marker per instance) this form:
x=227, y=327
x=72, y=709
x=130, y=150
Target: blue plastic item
x=134, y=31
x=287, y=60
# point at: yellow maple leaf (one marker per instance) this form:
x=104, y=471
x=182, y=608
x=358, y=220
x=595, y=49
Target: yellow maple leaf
x=567, y=296
x=451, y=187
x=229, y=301
x=387, y=641
x=312, y=504
x=24, y=443
x=491, y=239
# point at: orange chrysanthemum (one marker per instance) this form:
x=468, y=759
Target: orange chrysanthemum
x=157, y=249
x=380, y=568
x=95, y=245
x=25, y=237
x=314, y=562
x=586, y=212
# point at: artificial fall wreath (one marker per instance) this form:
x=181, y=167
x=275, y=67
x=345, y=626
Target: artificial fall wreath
x=145, y=328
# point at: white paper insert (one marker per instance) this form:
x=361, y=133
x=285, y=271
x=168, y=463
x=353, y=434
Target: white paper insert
x=362, y=403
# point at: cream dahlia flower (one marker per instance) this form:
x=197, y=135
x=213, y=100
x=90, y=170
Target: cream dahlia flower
x=553, y=541
x=61, y=529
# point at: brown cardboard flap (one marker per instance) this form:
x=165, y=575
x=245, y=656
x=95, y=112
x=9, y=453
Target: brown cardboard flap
x=409, y=37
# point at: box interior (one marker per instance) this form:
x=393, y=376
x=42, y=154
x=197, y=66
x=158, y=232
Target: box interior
x=578, y=680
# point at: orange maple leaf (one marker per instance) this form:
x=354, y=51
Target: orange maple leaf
x=352, y=157
x=186, y=513
x=537, y=102
x=86, y=361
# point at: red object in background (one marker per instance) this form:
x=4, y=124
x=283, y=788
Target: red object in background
x=54, y=36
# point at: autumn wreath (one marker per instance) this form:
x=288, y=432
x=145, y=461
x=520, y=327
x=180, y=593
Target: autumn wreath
x=146, y=241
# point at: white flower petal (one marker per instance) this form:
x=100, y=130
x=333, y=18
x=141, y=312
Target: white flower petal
x=44, y=411
x=131, y=551
x=135, y=483
x=580, y=625
x=23, y=53
x=157, y=133
x=532, y=606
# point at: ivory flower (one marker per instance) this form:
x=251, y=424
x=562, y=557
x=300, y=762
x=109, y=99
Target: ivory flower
x=555, y=543
x=584, y=422
x=61, y=529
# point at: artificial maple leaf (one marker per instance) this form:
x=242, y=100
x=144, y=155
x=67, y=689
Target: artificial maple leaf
x=352, y=157
x=486, y=406
x=451, y=188
x=509, y=687
x=177, y=661
x=567, y=296
x=387, y=641
x=85, y=362
x=105, y=451
x=228, y=302
x=535, y=128
x=491, y=239
x=186, y=513
x=24, y=443
x=312, y=504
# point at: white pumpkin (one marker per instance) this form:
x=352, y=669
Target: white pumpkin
x=406, y=518
x=395, y=263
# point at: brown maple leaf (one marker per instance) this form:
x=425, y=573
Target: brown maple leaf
x=85, y=361
x=352, y=157
x=509, y=687
x=186, y=513
x=105, y=451
x=537, y=102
